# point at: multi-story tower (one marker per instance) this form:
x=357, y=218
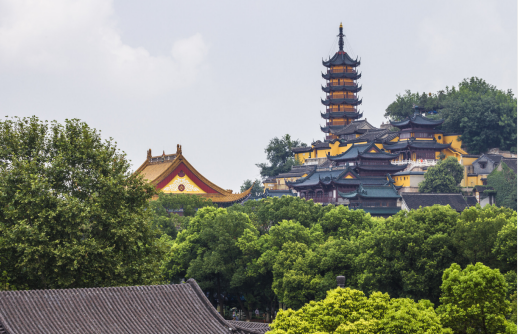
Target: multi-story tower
x=341, y=88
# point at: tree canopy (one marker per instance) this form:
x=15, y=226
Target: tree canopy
x=443, y=177
x=346, y=310
x=483, y=115
x=279, y=155
x=72, y=214
x=474, y=300
x=257, y=190
x=504, y=183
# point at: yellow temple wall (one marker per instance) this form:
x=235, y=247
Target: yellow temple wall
x=403, y=180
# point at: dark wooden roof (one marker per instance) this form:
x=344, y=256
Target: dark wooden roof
x=342, y=75
x=171, y=309
x=351, y=102
x=341, y=58
x=415, y=200
x=417, y=120
x=343, y=88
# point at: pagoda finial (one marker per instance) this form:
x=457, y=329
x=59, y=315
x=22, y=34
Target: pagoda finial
x=341, y=39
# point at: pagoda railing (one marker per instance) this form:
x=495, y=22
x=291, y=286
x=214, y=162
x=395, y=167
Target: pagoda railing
x=333, y=70
x=325, y=199
x=341, y=96
x=347, y=83
x=332, y=110
x=418, y=163
x=315, y=161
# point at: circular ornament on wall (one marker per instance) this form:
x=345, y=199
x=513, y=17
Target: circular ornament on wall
x=181, y=187
x=181, y=174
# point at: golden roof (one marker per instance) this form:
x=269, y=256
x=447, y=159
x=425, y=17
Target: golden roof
x=155, y=169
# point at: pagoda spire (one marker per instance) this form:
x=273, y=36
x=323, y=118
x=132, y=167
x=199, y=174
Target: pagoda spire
x=341, y=39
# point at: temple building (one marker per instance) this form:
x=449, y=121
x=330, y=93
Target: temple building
x=341, y=90
x=366, y=167
x=173, y=174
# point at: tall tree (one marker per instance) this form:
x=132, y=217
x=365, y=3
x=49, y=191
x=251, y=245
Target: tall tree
x=504, y=183
x=279, y=155
x=71, y=213
x=474, y=300
x=257, y=190
x=346, y=310
x=208, y=251
x=407, y=253
x=477, y=232
x=484, y=115
x=443, y=178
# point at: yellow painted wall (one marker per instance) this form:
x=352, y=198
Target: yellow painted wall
x=403, y=180
x=189, y=187
x=303, y=156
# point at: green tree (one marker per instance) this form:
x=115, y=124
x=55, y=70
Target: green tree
x=349, y=311
x=504, y=183
x=477, y=232
x=505, y=244
x=280, y=156
x=169, y=222
x=407, y=253
x=208, y=251
x=443, y=177
x=257, y=190
x=72, y=214
x=404, y=105
x=484, y=115
x=274, y=209
x=474, y=299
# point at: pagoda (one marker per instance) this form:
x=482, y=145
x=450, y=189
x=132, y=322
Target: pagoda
x=341, y=90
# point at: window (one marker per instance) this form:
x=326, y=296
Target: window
x=439, y=137
x=482, y=164
x=404, y=135
x=423, y=135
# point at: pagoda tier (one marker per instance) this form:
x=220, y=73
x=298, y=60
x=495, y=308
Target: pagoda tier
x=341, y=90
x=341, y=58
x=341, y=75
x=341, y=101
x=341, y=114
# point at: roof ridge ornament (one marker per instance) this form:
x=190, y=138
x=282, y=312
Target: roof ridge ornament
x=341, y=38
x=178, y=149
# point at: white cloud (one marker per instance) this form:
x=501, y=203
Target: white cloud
x=79, y=39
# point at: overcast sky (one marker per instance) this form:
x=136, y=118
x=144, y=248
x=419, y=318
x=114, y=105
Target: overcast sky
x=224, y=77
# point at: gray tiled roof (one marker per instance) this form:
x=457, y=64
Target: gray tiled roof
x=173, y=309
x=415, y=200
x=511, y=163
x=255, y=326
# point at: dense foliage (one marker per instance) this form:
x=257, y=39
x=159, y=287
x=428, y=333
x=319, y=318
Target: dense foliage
x=166, y=210
x=290, y=251
x=484, y=115
x=504, y=183
x=72, y=215
x=346, y=310
x=443, y=177
x=279, y=155
x=474, y=300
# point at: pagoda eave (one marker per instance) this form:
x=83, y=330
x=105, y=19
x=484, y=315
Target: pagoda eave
x=351, y=102
x=345, y=75
x=351, y=88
